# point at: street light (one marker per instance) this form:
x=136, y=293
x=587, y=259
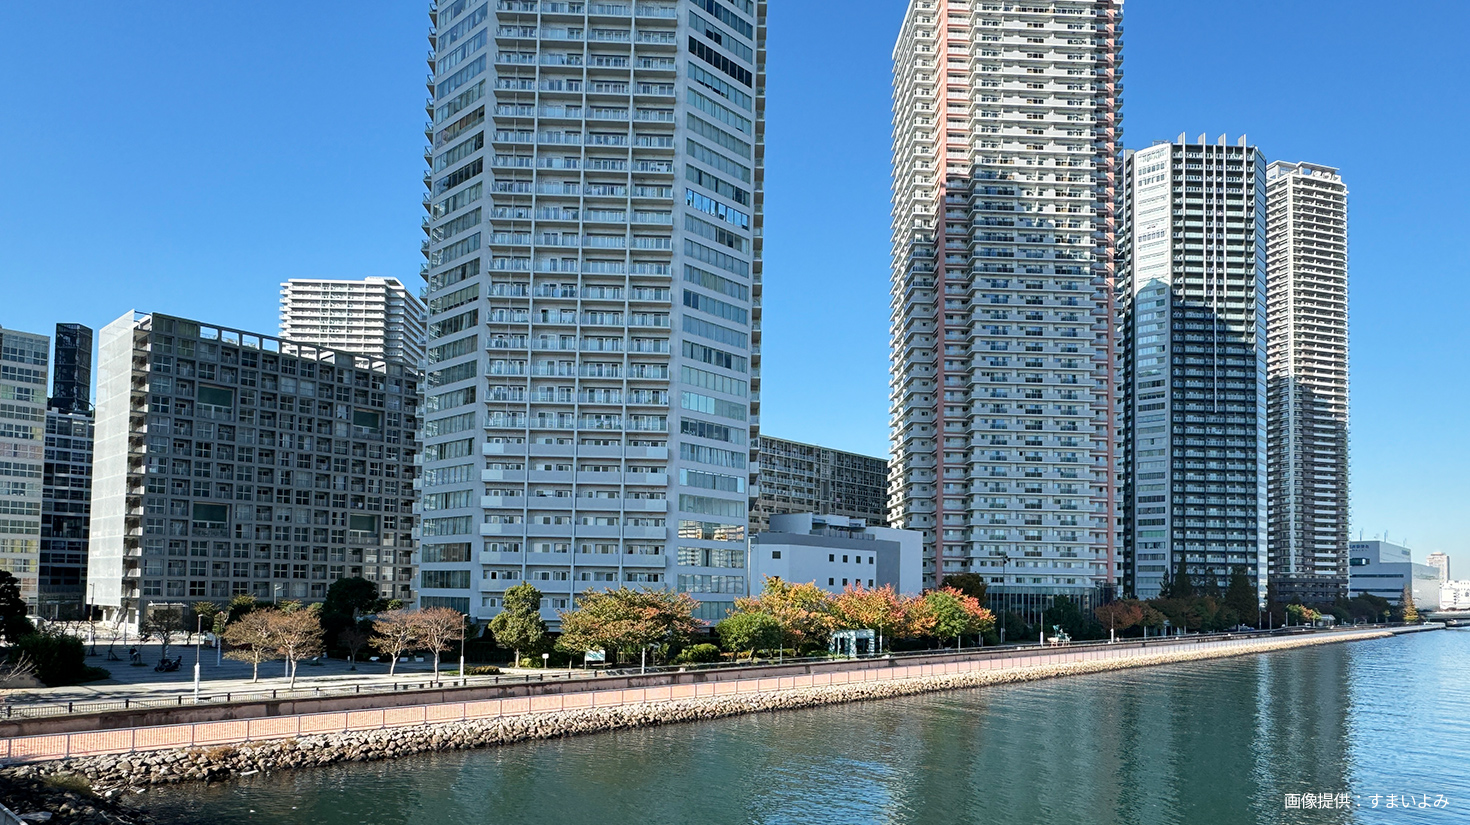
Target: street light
x=545, y=661
x=198, y=628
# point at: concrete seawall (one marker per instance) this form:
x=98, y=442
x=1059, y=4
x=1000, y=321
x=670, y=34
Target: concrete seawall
x=217, y=750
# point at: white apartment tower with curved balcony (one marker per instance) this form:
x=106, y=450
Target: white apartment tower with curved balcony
x=1307, y=381
x=594, y=282
x=1005, y=135
x=374, y=316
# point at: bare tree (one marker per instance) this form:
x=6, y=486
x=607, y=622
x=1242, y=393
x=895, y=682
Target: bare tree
x=252, y=639
x=393, y=634
x=163, y=623
x=297, y=635
x=354, y=640
x=436, y=629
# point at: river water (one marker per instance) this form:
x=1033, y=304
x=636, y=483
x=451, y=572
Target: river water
x=1215, y=742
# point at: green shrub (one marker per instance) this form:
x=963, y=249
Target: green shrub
x=59, y=660
x=476, y=670
x=527, y=661
x=95, y=674
x=698, y=654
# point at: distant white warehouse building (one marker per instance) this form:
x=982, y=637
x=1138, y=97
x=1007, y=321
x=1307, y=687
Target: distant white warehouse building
x=1382, y=569
x=835, y=551
x=1454, y=595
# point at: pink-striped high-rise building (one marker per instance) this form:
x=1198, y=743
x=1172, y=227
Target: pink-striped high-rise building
x=1006, y=133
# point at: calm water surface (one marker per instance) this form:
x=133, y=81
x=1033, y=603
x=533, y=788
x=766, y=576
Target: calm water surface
x=1214, y=742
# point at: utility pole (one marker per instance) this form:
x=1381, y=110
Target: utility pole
x=198, y=628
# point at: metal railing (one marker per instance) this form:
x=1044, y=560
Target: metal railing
x=24, y=710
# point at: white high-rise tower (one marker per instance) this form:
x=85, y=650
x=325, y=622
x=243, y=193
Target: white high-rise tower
x=1307, y=319
x=375, y=316
x=1005, y=132
x=594, y=283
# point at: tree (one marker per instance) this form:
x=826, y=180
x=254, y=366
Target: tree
x=970, y=584
x=1411, y=611
x=352, y=597
x=741, y=632
x=163, y=622
x=13, y=622
x=804, y=611
x=436, y=629
x=354, y=639
x=1120, y=615
x=880, y=609
x=519, y=625
x=204, y=615
x=1180, y=586
x=239, y=606
x=393, y=635
x=957, y=615
x=918, y=618
x=1152, y=618
x=252, y=639
x=1240, y=595
x=626, y=620
x=296, y=632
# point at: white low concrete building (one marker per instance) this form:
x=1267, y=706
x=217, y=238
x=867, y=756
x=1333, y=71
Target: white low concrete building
x=1454, y=595
x=835, y=551
x=1381, y=568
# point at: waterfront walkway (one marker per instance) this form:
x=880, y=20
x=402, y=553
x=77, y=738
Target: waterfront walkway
x=804, y=683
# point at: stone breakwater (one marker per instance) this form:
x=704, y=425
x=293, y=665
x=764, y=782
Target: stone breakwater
x=134, y=771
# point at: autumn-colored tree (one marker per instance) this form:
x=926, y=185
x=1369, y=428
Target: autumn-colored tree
x=880, y=609
x=1152, y=618
x=393, y=635
x=437, y=629
x=804, y=611
x=1120, y=615
x=296, y=632
x=627, y=620
x=956, y=615
x=1411, y=610
x=252, y=639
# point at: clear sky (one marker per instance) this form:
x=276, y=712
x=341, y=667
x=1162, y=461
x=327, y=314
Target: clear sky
x=187, y=157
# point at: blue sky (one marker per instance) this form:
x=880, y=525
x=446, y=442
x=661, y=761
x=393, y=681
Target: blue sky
x=188, y=157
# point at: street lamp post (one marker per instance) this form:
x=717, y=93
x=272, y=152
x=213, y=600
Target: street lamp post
x=198, y=628
x=462, y=637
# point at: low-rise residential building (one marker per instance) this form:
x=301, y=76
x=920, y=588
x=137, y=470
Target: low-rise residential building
x=230, y=463
x=836, y=551
x=1380, y=568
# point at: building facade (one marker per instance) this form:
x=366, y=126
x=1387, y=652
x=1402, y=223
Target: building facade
x=66, y=485
x=1454, y=595
x=1441, y=562
x=1192, y=261
x=71, y=369
x=835, y=552
x=594, y=284
x=24, y=367
x=1006, y=127
x=1383, y=569
x=378, y=317
x=805, y=478
x=229, y=463
x=1307, y=381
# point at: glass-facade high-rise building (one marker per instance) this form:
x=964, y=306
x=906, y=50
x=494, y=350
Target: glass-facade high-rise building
x=24, y=363
x=66, y=486
x=806, y=478
x=1307, y=366
x=1192, y=299
x=1006, y=127
x=594, y=280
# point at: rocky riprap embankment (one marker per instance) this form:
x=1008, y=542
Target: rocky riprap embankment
x=137, y=770
x=31, y=795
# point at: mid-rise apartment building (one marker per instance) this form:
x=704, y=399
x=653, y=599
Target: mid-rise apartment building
x=805, y=478
x=1307, y=374
x=1005, y=134
x=66, y=486
x=1192, y=289
x=378, y=317
x=23, y=373
x=231, y=463
x=594, y=284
